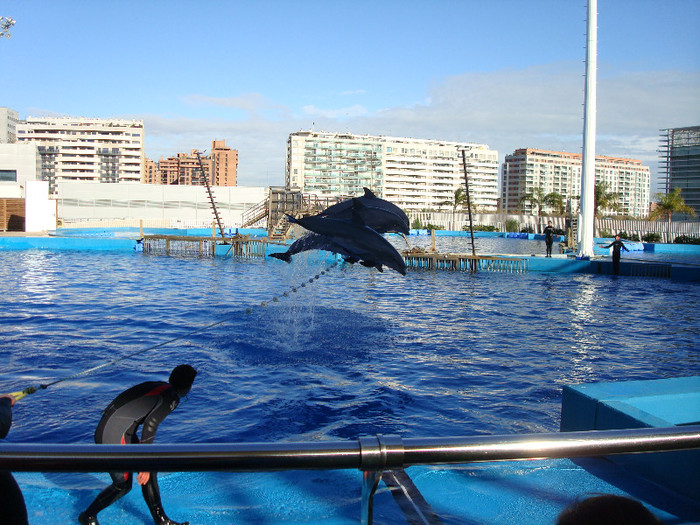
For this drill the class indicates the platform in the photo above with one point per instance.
(637, 404)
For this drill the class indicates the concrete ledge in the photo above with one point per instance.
(67, 243)
(638, 404)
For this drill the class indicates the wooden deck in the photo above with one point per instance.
(464, 262)
(239, 246)
(243, 246)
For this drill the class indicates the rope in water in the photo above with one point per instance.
(32, 389)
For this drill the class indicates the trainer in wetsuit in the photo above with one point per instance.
(12, 508)
(146, 404)
(549, 238)
(616, 246)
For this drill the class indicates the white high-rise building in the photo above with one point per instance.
(414, 174)
(8, 125)
(528, 169)
(83, 149)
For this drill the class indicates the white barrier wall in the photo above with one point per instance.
(39, 209)
(82, 201)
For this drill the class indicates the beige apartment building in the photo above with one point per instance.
(85, 149)
(554, 171)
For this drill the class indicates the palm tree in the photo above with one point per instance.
(670, 203)
(604, 199)
(459, 200)
(539, 199)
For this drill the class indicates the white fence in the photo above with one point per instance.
(459, 220)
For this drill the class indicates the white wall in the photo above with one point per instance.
(93, 200)
(39, 209)
(22, 158)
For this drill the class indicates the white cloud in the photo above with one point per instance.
(340, 114)
(254, 104)
(538, 107)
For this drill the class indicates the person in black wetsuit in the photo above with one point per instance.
(146, 405)
(616, 245)
(549, 238)
(13, 510)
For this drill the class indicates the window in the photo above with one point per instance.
(8, 175)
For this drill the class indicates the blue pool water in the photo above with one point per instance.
(355, 352)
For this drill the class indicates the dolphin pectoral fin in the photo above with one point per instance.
(284, 256)
(351, 259)
(372, 264)
(357, 209)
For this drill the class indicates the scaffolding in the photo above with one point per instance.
(679, 163)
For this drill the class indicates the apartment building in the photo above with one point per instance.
(150, 172)
(184, 169)
(220, 168)
(85, 149)
(554, 171)
(415, 174)
(8, 126)
(225, 164)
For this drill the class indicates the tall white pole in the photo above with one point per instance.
(586, 212)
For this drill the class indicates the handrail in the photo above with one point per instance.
(367, 453)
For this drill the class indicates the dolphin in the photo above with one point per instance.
(379, 214)
(313, 241)
(355, 239)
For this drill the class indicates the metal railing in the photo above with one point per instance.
(370, 454)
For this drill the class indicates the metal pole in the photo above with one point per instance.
(587, 213)
(367, 453)
(469, 201)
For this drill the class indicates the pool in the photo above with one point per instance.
(356, 352)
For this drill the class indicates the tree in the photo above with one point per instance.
(5, 24)
(539, 199)
(459, 200)
(670, 203)
(604, 199)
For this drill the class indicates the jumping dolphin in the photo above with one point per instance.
(355, 239)
(379, 214)
(313, 241)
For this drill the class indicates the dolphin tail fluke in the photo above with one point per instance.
(283, 256)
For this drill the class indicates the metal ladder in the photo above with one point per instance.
(212, 202)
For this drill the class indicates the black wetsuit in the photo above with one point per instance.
(549, 239)
(146, 405)
(13, 510)
(616, 246)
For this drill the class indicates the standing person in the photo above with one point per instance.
(145, 404)
(549, 238)
(616, 246)
(13, 510)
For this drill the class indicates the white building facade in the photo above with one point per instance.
(82, 149)
(528, 169)
(8, 125)
(19, 164)
(414, 174)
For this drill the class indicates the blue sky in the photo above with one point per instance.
(508, 73)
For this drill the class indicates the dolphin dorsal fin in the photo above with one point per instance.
(368, 194)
